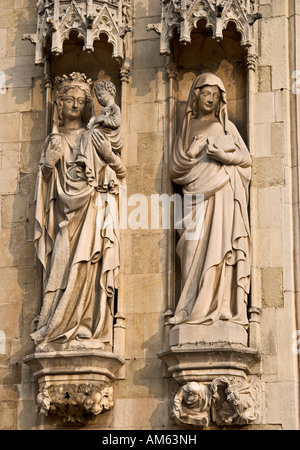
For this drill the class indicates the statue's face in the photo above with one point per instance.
(73, 104)
(103, 97)
(190, 397)
(209, 99)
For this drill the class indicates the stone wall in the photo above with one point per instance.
(142, 398)
(21, 134)
(272, 212)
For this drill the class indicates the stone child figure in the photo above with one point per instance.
(110, 116)
(210, 158)
(109, 124)
(76, 240)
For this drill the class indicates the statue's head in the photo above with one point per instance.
(191, 393)
(105, 91)
(208, 94)
(208, 99)
(74, 98)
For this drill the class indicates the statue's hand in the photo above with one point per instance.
(196, 147)
(102, 145)
(218, 154)
(54, 151)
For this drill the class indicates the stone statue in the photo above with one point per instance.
(192, 404)
(210, 158)
(234, 402)
(223, 401)
(76, 233)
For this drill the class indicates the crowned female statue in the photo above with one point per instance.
(210, 158)
(76, 234)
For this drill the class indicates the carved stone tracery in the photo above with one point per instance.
(89, 18)
(184, 15)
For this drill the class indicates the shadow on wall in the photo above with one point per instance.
(98, 65)
(22, 135)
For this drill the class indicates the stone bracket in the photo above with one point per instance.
(214, 384)
(75, 385)
(74, 402)
(225, 401)
(203, 363)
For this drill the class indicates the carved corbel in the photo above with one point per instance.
(75, 403)
(223, 402)
(76, 386)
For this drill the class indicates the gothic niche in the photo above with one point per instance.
(77, 357)
(89, 18)
(208, 349)
(78, 244)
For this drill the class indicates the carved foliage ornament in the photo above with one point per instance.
(89, 18)
(74, 403)
(225, 401)
(184, 15)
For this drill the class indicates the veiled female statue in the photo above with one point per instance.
(76, 234)
(210, 158)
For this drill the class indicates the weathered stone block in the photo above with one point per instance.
(33, 126)
(3, 42)
(150, 149)
(269, 207)
(10, 125)
(268, 332)
(15, 100)
(30, 156)
(264, 107)
(8, 414)
(14, 210)
(262, 139)
(8, 180)
(267, 171)
(10, 319)
(16, 251)
(277, 138)
(154, 246)
(12, 282)
(272, 287)
(265, 79)
(143, 293)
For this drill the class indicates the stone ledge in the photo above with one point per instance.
(84, 363)
(219, 331)
(74, 385)
(203, 363)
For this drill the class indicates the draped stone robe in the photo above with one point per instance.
(77, 242)
(215, 269)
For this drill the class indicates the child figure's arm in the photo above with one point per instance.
(112, 118)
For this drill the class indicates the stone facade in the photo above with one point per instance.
(265, 107)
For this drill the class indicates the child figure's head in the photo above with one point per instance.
(105, 92)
